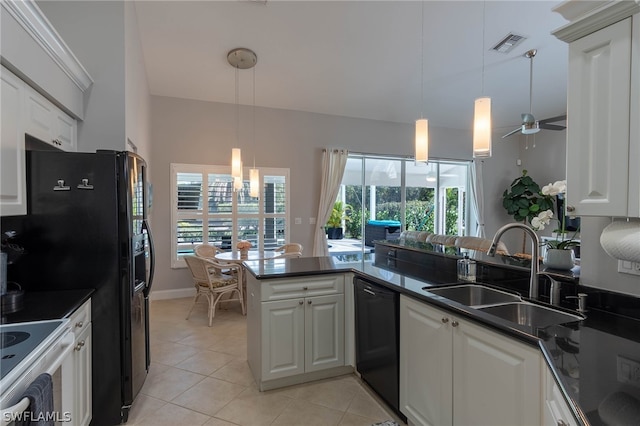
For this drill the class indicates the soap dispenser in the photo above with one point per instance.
(467, 269)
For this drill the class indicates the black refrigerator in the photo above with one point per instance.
(87, 227)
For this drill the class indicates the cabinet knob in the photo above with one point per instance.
(79, 324)
(562, 423)
(454, 323)
(79, 345)
(309, 302)
(571, 209)
(305, 288)
(300, 302)
(445, 320)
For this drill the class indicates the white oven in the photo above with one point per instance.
(28, 350)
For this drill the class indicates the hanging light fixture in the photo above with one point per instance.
(241, 59)
(254, 174)
(422, 125)
(482, 113)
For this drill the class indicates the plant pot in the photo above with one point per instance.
(334, 233)
(559, 259)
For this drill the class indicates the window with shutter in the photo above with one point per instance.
(206, 209)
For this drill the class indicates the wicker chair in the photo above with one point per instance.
(209, 281)
(290, 250)
(207, 251)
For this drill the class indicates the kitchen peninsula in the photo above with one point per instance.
(578, 360)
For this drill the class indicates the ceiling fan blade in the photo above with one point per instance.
(551, 126)
(554, 119)
(511, 133)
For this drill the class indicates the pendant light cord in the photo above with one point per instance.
(254, 117)
(422, 61)
(531, 85)
(237, 109)
(484, 17)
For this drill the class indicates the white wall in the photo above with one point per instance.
(95, 32)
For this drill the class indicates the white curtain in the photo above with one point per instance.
(477, 196)
(334, 162)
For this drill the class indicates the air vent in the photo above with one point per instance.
(508, 43)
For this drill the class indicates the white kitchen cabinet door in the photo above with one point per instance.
(83, 381)
(425, 363)
(496, 380)
(12, 161)
(634, 134)
(282, 338)
(44, 121)
(324, 332)
(598, 108)
(556, 411)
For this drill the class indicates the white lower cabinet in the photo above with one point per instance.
(77, 381)
(296, 337)
(555, 411)
(454, 372)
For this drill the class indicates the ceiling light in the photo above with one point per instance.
(254, 174)
(482, 113)
(240, 58)
(422, 125)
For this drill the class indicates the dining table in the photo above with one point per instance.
(235, 257)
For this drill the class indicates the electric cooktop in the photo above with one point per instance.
(19, 340)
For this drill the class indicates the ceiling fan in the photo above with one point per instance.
(529, 124)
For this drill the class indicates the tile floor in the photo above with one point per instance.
(199, 376)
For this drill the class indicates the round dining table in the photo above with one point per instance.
(234, 255)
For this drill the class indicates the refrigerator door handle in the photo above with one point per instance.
(152, 256)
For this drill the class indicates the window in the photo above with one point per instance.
(424, 197)
(206, 209)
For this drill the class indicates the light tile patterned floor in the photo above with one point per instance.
(199, 376)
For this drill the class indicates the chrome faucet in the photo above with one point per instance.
(535, 243)
(554, 288)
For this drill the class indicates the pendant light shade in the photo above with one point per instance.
(482, 128)
(422, 140)
(237, 180)
(236, 163)
(254, 183)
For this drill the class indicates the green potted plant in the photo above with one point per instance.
(334, 224)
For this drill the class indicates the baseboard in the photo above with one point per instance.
(172, 294)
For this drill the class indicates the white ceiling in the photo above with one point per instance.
(359, 58)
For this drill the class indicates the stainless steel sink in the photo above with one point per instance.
(531, 315)
(474, 295)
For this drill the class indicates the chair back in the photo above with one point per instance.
(291, 248)
(207, 251)
(290, 254)
(199, 268)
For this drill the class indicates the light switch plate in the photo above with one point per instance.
(298, 221)
(626, 267)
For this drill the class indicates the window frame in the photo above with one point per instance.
(203, 214)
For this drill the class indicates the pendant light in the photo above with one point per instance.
(241, 59)
(422, 125)
(482, 112)
(254, 174)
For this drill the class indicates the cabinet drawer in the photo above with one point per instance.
(302, 287)
(81, 318)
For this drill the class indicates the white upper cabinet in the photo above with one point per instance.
(12, 165)
(45, 121)
(603, 137)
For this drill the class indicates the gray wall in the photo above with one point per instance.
(196, 132)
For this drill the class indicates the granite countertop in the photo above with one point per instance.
(583, 355)
(48, 305)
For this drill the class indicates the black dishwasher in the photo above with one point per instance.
(377, 322)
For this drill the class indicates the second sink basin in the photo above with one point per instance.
(531, 315)
(474, 295)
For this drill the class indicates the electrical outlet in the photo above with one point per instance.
(626, 267)
(298, 221)
(312, 221)
(628, 371)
